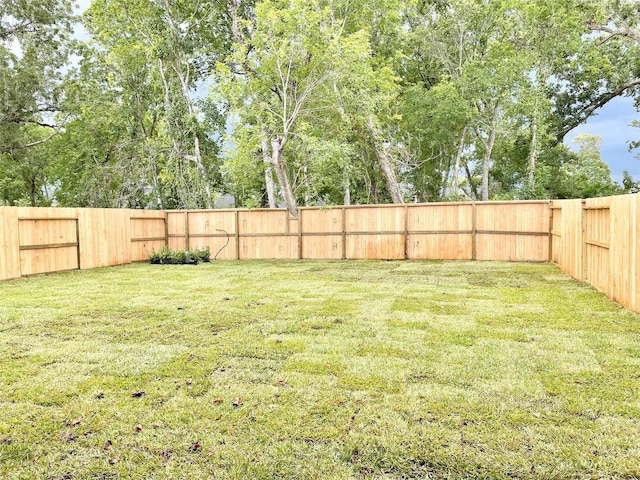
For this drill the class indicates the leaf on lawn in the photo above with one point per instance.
(195, 447)
(114, 460)
(67, 436)
(76, 422)
(190, 357)
(281, 382)
(108, 444)
(138, 428)
(238, 402)
(217, 400)
(139, 394)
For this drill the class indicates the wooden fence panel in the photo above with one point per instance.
(176, 229)
(266, 234)
(322, 233)
(105, 237)
(375, 232)
(148, 233)
(634, 277)
(215, 230)
(570, 249)
(624, 241)
(440, 231)
(48, 240)
(597, 234)
(556, 232)
(9, 244)
(512, 231)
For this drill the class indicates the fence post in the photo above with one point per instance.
(186, 230)
(237, 235)
(344, 233)
(583, 243)
(166, 228)
(550, 231)
(77, 242)
(474, 233)
(300, 234)
(406, 232)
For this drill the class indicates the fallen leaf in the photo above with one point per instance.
(195, 447)
(281, 382)
(190, 357)
(114, 460)
(76, 422)
(108, 444)
(139, 394)
(138, 428)
(217, 400)
(67, 436)
(238, 402)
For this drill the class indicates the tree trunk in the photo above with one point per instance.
(456, 168)
(268, 177)
(277, 145)
(486, 161)
(347, 189)
(533, 152)
(386, 163)
(197, 155)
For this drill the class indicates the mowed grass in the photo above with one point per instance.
(317, 370)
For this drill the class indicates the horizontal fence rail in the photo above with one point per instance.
(592, 240)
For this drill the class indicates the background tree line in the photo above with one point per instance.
(175, 103)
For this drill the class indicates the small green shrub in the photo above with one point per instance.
(166, 256)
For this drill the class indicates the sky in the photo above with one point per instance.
(611, 123)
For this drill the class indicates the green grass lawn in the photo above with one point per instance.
(264, 370)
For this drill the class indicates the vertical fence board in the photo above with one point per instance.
(9, 244)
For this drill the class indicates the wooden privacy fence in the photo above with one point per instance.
(484, 231)
(41, 240)
(593, 240)
(596, 241)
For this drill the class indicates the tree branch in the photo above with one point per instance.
(586, 111)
